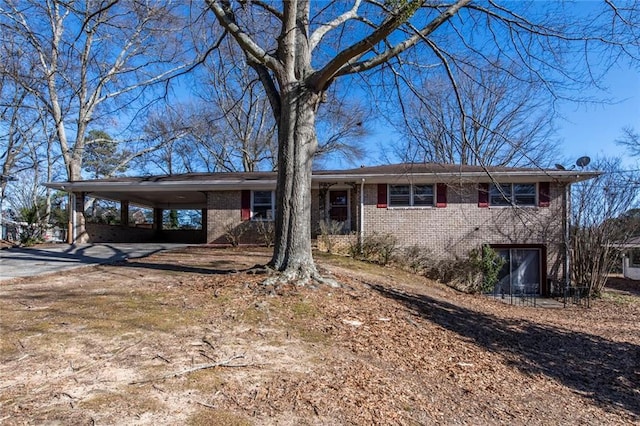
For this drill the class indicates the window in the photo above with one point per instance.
(410, 195)
(634, 258)
(399, 195)
(516, 194)
(262, 205)
(422, 195)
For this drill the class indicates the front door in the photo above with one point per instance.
(339, 207)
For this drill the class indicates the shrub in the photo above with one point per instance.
(233, 232)
(456, 272)
(328, 228)
(266, 233)
(477, 273)
(489, 263)
(376, 248)
(416, 258)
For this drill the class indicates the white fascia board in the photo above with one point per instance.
(518, 176)
(270, 184)
(166, 186)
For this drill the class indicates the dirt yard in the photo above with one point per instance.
(188, 337)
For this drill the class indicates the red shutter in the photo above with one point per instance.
(245, 205)
(483, 195)
(382, 195)
(441, 195)
(544, 194)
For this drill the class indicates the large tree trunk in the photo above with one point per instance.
(297, 146)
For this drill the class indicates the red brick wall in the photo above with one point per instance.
(462, 225)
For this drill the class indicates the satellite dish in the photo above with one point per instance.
(583, 161)
(560, 167)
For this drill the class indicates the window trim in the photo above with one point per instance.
(272, 207)
(412, 204)
(510, 202)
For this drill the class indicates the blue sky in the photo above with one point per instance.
(583, 129)
(592, 129)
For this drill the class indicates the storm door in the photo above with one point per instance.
(339, 207)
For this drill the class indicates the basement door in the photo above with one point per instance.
(521, 273)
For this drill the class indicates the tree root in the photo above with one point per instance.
(299, 277)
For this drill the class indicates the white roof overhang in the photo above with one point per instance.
(191, 194)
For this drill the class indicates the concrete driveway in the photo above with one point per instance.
(27, 262)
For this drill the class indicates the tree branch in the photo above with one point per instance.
(318, 34)
(269, 86)
(394, 51)
(222, 10)
(266, 6)
(225, 363)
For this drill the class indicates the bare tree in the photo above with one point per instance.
(602, 222)
(237, 103)
(25, 137)
(92, 59)
(229, 126)
(341, 125)
(232, 128)
(18, 118)
(508, 122)
(299, 49)
(630, 140)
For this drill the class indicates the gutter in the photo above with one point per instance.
(361, 212)
(480, 176)
(567, 236)
(239, 183)
(213, 185)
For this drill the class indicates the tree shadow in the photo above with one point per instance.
(78, 255)
(184, 268)
(624, 285)
(72, 253)
(606, 372)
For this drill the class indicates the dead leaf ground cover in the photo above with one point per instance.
(127, 343)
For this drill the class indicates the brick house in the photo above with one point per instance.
(446, 209)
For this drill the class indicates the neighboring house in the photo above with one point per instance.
(631, 258)
(446, 209)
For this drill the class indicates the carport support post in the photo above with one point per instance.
(79, 231)
(157, 219)
(124, 213)
(205, 228)
(71, 212)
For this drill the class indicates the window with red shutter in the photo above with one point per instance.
(544, 194)
(382, 195)
(441, 195)
(245, 205)
(483, 195)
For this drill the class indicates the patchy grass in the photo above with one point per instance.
(622, 299)
(135, 400)
(214, 417)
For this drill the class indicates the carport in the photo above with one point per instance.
(154, 194)
(189, 191)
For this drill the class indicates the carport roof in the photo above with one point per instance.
(187, 191)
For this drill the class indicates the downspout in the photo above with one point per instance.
(361, 213)
(567, 236)
(74, 220)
